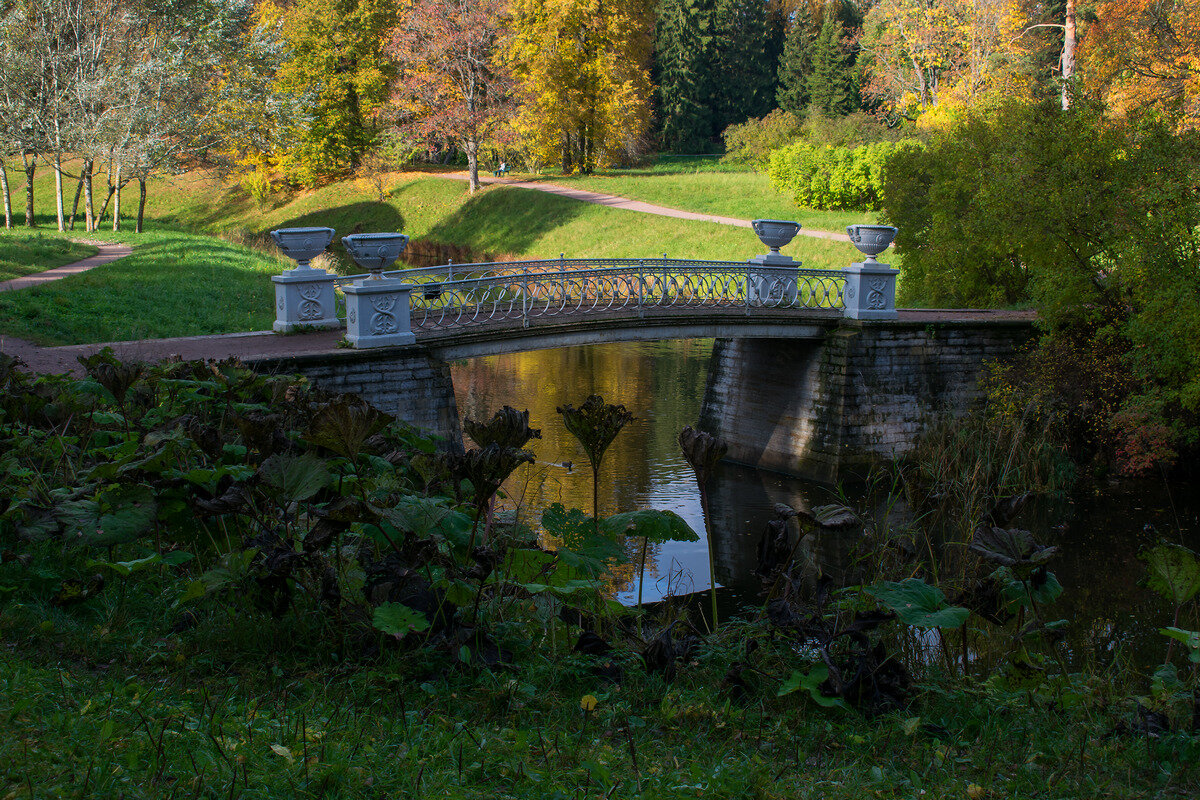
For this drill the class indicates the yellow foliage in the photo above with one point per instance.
(582, 67)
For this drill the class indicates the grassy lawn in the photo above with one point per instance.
(174, 284)
(196, 716)
(743, 195)
(25, 254)
(179, 283)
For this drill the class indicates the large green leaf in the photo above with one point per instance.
(1010, 547)
(126, 568)
(811, 682)
(345, 426)
(656, 526)
(1190, 639)
(296, 477)
(1174, 572)
(430, 517)
(584, 551)
(917, 603)
(120, 514)
(397, 619)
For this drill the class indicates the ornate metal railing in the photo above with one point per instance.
(456, 295)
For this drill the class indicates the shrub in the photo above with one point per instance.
(1094, 223)
(827, 177)
(752, 141)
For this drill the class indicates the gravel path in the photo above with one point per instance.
(109, 252)
(613, 201)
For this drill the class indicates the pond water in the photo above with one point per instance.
(1100, 532)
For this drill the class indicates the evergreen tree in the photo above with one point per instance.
(684, 52)
(831, 85)
(795, 65)
(745, 63)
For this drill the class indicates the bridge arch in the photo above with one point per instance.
(808, 393)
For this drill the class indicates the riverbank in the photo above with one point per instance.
(219, 583)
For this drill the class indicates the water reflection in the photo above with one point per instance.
(663, 384)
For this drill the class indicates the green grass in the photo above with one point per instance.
(25, 254)
(727, 193)
(174, 284)
(96, 702)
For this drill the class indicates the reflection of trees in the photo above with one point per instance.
(655, 381)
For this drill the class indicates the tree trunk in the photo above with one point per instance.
(117, 201)
(89, 215)
(141, 203)
(30, 169)
(473, 163)
(58, 196)
(7, 195)
(75, 204)
(1068, 54)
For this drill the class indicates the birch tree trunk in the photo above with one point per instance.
(137, 228)
(117, 202)
(30, 170)
(89, 215)
(473, 163)
(75, 203)
(58, 189)
(1068, 54)
(7, 195)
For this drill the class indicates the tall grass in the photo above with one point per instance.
(962, 466)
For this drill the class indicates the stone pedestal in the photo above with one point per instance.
(377, 313)
(775, 287)
(870, 290)
(304, 299)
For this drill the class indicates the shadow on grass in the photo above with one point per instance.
(369, 216)
(504, 220)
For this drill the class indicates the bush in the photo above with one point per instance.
(827, 177)
(1094, 223)
(752, 142)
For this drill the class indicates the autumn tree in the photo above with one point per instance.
(583, 82)
(337, 58)
(452, 89)
(1142, 55)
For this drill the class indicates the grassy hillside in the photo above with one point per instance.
(182, 282)
(174, 284)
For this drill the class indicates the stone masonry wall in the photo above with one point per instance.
(408, 383)
(865, 393)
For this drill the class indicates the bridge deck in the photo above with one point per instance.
(508, 336)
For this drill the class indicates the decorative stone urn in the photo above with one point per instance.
(775, 233)
(871, 239)
(304, 296)
(377, 308)
(774, 282)
(870, 291)
(303, 244)
(375, 252)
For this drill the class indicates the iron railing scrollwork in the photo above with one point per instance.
(473, 294)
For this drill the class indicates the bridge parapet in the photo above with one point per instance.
(467, 295)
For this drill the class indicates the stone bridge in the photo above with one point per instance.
(807, 391)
